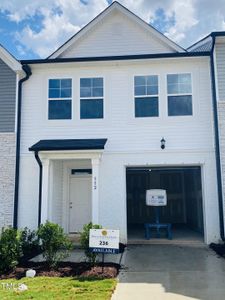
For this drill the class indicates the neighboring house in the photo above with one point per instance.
(215, 44)
(219, 69)
(9, 75)
(95, 117)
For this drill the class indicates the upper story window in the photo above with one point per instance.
(59, 99)
(146, 96)
(179, 91)
(91, 98)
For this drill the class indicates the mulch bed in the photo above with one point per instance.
(218, 248)
(66, 269)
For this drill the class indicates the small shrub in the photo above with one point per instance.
(55, 244)
(29, 244)
(84, 240)
(10, 249)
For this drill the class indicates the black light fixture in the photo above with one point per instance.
(163, 143)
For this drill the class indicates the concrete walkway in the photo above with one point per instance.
(171, 272)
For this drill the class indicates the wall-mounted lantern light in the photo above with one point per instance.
(163, 143)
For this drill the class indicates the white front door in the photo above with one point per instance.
(80, 202)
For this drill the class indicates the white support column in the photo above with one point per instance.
(95, 190)
(45, 190)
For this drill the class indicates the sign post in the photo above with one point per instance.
(157, 198)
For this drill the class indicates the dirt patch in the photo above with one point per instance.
(101, 272)
(66, 269)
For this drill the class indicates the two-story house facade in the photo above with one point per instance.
(9, 77)
(117, 110)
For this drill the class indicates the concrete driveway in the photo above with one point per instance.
(171, 272)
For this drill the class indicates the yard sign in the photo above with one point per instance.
(104, 241)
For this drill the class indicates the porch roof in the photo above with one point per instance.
(69, 144)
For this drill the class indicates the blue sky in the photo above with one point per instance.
(33, 29)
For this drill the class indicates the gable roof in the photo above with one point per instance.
(9, 59)
(206, 43)
(115, 6)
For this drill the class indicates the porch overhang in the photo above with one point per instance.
(66, 149)
(69, 144)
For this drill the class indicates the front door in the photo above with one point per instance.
(80, 202)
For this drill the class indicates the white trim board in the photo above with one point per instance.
(9, 59)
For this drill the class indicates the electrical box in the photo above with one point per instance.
(156, 197)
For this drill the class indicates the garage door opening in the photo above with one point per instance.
(184, 201)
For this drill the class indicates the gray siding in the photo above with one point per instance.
(220, 64)
(7, 98)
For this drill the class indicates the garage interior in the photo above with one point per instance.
(184, 202)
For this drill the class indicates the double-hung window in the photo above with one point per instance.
(59, 99)
(179, 92)
(91, 98)
(146, 96)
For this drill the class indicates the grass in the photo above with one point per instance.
(56, 288)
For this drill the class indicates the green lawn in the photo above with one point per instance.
(59, 289)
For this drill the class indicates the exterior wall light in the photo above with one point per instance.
(163, 143)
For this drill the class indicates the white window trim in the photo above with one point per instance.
(49, 99)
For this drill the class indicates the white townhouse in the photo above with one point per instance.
(116, 110)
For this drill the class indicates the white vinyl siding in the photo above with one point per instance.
(119, 126)
(118, 36)
(220, 68)
(131, 142)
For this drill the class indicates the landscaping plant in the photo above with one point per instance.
(84, 240)
(29, 244)
(10, 249)
(55, 244)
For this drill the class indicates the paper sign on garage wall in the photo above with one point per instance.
(156, 197)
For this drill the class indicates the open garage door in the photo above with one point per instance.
(184, 194)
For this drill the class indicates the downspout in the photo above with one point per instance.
(40, 186)
(217, 145)
(28, 72)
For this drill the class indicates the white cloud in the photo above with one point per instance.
(60, 20)
(192, 19)
(185, 19)
(50, 37)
